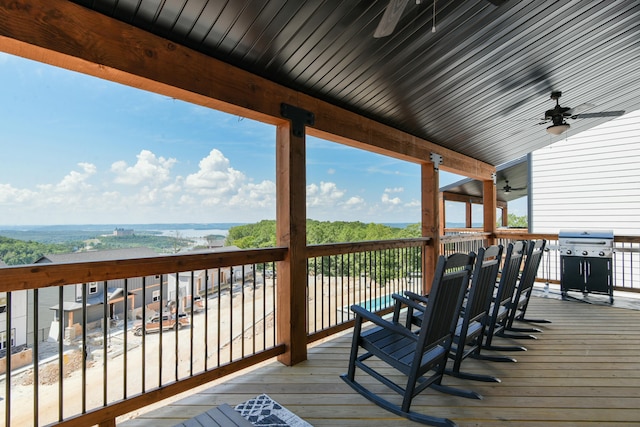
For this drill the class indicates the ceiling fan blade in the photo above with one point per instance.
(580, 108)
(601, 114)
(390, 18)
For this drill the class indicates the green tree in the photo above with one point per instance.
(514, 221)
(18, 252)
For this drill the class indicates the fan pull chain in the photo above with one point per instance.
(433, 28)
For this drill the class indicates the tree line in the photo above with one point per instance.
(17, 252)
(263, 234)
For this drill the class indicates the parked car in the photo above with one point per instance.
(198, 304)
(168, 322)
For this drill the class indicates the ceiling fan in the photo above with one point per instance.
(393, 13)
(508, 189)
(558, 114)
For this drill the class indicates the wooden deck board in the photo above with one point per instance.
(583, 370)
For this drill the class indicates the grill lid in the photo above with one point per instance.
(585, 234)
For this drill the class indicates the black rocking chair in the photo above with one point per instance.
(502, 303)
(421, 357)
(535, 250)
(468, 337)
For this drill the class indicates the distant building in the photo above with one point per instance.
(16, 338)
(50, 313)
(119, 232)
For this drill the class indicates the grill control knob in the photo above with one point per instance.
(601, 253)
(569, 252)
(585, 253)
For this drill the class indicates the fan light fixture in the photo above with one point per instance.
(558, 129)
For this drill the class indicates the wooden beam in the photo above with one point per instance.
(67, 35)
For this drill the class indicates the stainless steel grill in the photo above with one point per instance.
(598, 244)
(586, 259)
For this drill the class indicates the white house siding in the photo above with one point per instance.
(589, 181)
(18, 317)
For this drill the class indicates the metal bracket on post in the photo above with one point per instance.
(437, 160)
(299, 118)
(494, 177)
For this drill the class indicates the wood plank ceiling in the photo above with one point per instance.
(478, 85)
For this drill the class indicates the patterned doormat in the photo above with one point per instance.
(263, 411)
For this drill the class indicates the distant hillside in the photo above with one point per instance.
(263, 233)
(17, 252)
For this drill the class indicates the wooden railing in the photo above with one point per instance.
(223, 320)
(626, 256)
(364, 273)
(220, 311)
(97, 373)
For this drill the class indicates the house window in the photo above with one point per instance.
(3, 339)
(155, 296)
(93, 288)
(3, 302)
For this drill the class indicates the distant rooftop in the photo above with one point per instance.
(90, 256)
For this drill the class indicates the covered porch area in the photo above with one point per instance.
(583, 370)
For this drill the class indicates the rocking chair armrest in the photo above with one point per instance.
(374, 318)
(408, 302)
(417, 297)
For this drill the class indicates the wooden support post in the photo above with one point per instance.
(489, 195)
(442, 213)
(468, 221)
(291, 232)
(505, 216)
(430, 222)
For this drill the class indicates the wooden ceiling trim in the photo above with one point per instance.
(64, 34)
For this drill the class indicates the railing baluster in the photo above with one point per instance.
(242, 325)
(106, 335)
(161, 332)
(125, 339)
(176, 308)
(85, 346)
(191, 320)
(8, 348)
(144, 335)
(61, 348)
(36, 360)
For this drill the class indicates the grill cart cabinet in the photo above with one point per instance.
(586, 275)
(586, 260)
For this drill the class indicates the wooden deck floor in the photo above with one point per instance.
(583, 370)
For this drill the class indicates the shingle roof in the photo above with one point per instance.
(108, 255)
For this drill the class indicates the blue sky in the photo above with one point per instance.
(80, 150)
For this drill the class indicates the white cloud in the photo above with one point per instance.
(149, 190)
(72, 184)
(390, 200)
(262, 195)
(394, 190)
(355, 202)
(323, 195)
(11, 195)
(215, 179)
(149, 169)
